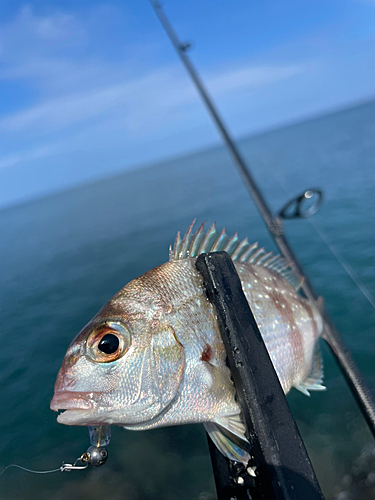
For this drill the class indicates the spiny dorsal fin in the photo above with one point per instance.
(193, 245)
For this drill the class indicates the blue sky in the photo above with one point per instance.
(90, 88)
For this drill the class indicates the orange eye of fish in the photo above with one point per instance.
(108, 342)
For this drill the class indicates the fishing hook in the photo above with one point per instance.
(84, 459)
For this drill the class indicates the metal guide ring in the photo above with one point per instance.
(295, 209)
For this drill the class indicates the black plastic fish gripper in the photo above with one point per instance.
(281, 468)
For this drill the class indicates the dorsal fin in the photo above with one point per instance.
(193, 245)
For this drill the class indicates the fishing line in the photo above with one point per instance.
(30, 470)
(346, 266)
(340, 259)
(83, 459)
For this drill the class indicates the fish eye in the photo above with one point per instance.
(108, 342)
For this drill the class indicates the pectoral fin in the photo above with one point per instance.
(228, 434)
(168, 363)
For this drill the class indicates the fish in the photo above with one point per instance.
(153, 355)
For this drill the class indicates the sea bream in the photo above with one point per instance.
(153, 355)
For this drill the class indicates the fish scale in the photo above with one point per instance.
(170, 364)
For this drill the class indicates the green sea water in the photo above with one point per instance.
(63, 256)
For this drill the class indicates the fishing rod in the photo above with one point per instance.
(275, 226)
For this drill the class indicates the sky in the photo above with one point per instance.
(92, 88)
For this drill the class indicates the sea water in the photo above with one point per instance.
(63, 256)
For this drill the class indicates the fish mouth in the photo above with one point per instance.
(69, 400)
(78, 408)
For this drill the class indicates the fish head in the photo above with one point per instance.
(124, 367)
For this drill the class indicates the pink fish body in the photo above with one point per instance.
(153, 355)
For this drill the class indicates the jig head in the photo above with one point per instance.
(96, 455)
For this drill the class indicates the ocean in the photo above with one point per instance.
(63, 256)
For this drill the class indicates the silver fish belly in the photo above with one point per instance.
(153, 356)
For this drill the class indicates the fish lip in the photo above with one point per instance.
(70, 400)
(80, 409)
(78, 417)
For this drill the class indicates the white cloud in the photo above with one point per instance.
(73, 90)
(80, 101)
(31, 155)
(31, 31)
(251, 77)
(150, 93)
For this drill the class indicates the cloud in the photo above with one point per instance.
(251, 77)
(31, 155)
(55, 53)
(79, 94)
(146, 93)
(74, 89)
(32, 32)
